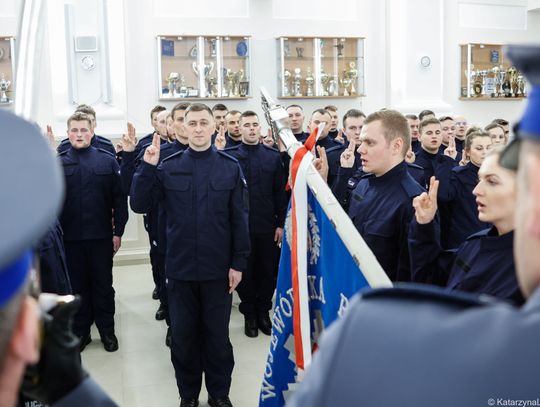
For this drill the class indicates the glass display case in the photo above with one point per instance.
(320, 67)
(201, 67)
(487, 75)
(7, 70)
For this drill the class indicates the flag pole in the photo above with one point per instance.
(278, 119)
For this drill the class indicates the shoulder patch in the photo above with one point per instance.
(178, 153)
(422, 292)
(64, 141)
(106, 151)
(223, 154)
(62, 153)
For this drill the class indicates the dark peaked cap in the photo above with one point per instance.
(31, 189)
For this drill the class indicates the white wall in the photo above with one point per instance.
(398, 33)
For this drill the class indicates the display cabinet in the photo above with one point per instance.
(7, 69)
(320, 67)
(201, 67)
(487, 75)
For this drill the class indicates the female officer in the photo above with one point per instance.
(497, 133)
(484, 262)
(458, 193)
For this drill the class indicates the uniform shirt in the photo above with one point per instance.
(232, 143)
(435, 164)
(381, 209)
(422, 346)
(97, 142)
(416, 146)
(301, 137)
(204, 194)
(265, 178)
(483, 264)
(461, 204)
(459, 146)
(93, 194)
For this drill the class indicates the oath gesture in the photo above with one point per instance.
(346, 159)
(451, 151)
(220, 142)
(129, 140)
(339, 137)
(321, 163)
(151, 154)
(425, 204)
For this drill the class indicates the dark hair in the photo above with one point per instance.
(332, 108)
(471, 136)
(472, 130)
(352, 113)
(219, 106)
(86, 109)
(179, 106)
(233, 112)
(298, 106)
(425, 113)
(501, 122)
(249, 113)
(395, 126)
(199, 107)
(411, 116)
(428, 121)
(79, 116)
(445, 118)
(321, 111)
(156, 109)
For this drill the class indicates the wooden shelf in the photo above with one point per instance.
(321, 97)
(485, 98)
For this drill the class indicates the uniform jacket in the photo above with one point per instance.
(97, 142)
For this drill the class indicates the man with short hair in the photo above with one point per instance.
(93, 196)
(203, 193)
(265, 178)
(334, 123)
(461, 131)
(144, 141)
(233, 136)
(323, 140)
(219, 111)
(381, 204)
(422, 339)
(97, 141)
(425, 114)
(296, 122)
(448, 129)
(414, 122)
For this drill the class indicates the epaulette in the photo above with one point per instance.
(106, 151)
(104, 140)
(413, 165)
(232, 148)
(64, 141)
(422, 292)
(334, 148)
(482, 233)
(224, 154)
(62, 153)
(172, 155)
(271, 148)
(411, 187)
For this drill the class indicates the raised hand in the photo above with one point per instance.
(425, 204)
(50, 135)
(151, 154)
(129, 140)
(346, 159)
(321, 163)
(220, 142)
(451, 151)
(410, 157)
(339, 137)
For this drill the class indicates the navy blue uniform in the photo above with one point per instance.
(416, 146)
(301, 137)
(204, 195)
(53, 269)
(381, 209)
(93, 197)
(461, 205)
(459, 146)
(265, 178)
(459, 153)
(232, 143)
(483, 264)
(97, 142)
(432, 347)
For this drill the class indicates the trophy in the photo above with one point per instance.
(243, 88)
(300, 52)
(333, 86)
(183, 92)
(238, 77)
(4, 86)
(340, 47)
(497, 76)
(325, 80)
(229, 82)
(212, 87)
(352, 75)
(286, 79)
(521, 85)
(172, 80)
(310, 80)
(204, 69)
(297, 82)
(345, 82)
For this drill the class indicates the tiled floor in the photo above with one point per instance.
(140, 372)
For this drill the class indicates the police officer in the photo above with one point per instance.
(93, 196)
(380, 204)
(147, 140)
(97, 141)
(26, 213)
(296, 122)
(414, 123)
(233, 136)
(204, 194)
(440, 349)
(265, 177)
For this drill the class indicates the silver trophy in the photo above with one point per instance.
(4, 86)
(204, 69)
(172, 80)
(310, 80)
(297, 82)
(229, 83)
(286, 83)
(325, 81)
(352, 75)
